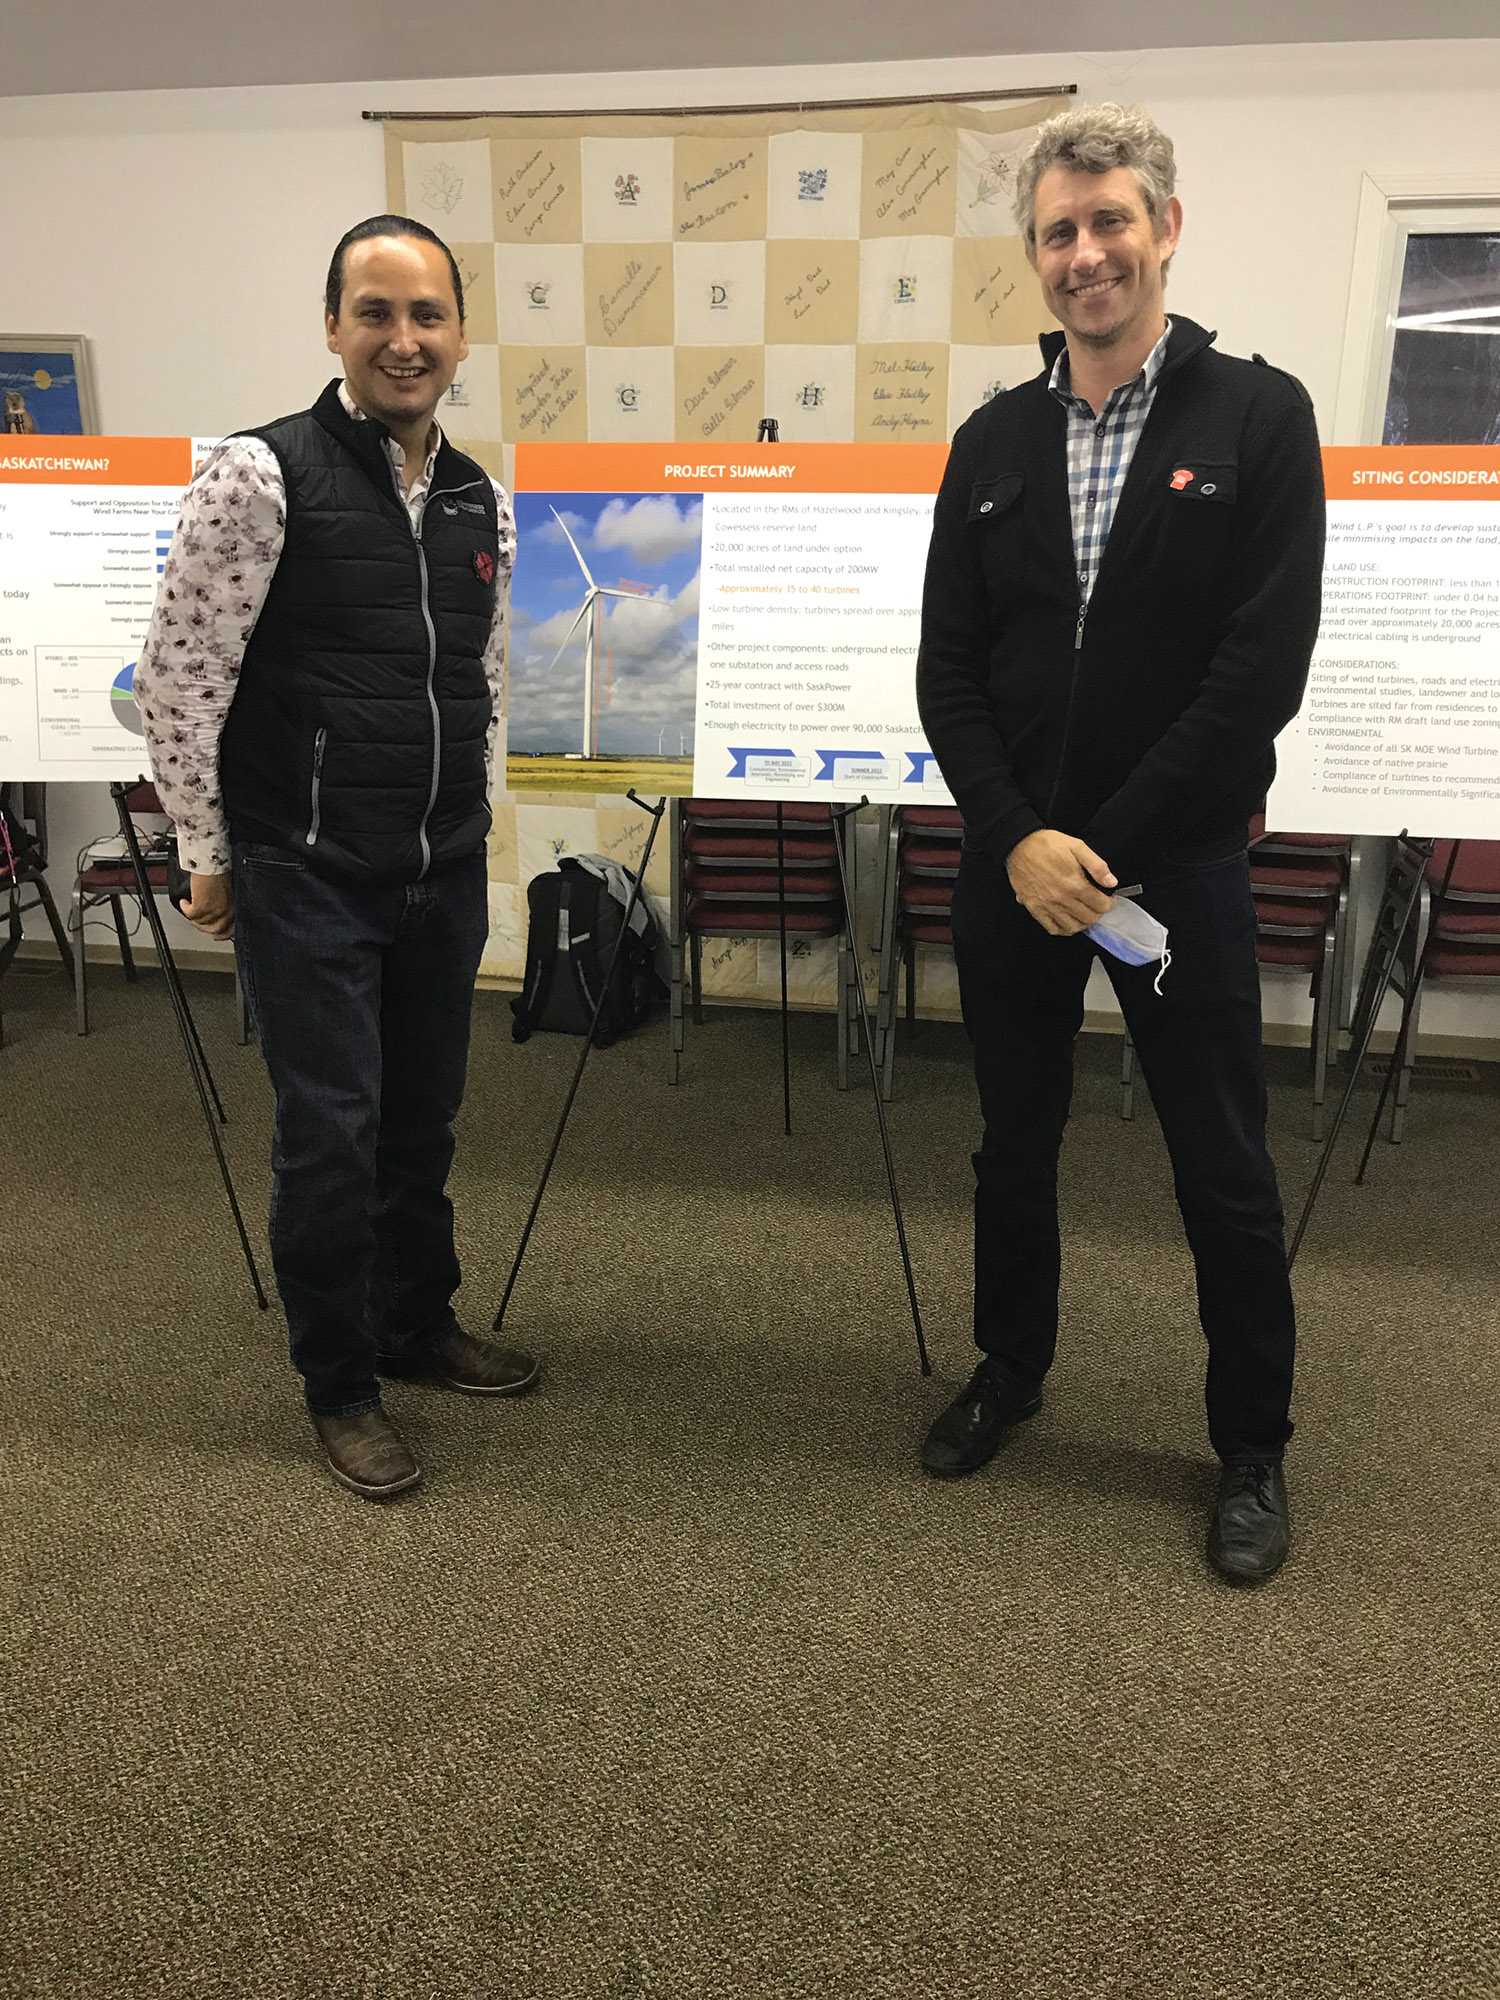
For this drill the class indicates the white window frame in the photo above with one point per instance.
(1393, 205)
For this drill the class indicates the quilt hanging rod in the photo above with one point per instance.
(735, 110)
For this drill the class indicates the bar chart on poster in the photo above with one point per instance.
(1401, 723)
(85, 525)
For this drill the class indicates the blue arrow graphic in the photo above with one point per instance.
(831, 757)
(738, 759)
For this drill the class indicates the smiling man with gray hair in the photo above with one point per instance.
(1122, 597)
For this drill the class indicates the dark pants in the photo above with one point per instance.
(1199, 1044)
(361, 995)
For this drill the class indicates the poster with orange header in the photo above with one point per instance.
(729, 620)
(85, 525)
(1400, 727)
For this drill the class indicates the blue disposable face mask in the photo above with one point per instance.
(1133, 935)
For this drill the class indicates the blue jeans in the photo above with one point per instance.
(361, 995)
(1199, 1044)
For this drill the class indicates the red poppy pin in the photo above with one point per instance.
(1182, 477)
(484, 566)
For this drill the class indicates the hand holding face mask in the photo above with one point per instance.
(1132, 935)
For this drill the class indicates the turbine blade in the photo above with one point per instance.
(575, 548)
(583, 612)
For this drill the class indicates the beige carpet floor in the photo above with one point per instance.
(678, 1679)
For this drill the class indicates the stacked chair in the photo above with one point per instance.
(916, 912)
(1303, 885)
(1462, 923)
(28, 890)
(112, 881)
(738, 875)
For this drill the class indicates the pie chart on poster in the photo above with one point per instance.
(122, 701)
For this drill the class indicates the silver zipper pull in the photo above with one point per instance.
(1078, 632)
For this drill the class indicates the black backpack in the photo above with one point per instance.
(574, 922)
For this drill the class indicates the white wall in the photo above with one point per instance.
(186, 233)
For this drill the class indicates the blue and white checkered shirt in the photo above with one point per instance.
(1099, 453)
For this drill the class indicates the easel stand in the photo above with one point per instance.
(841, 815)
(786, 1012)
(1373, 987)
(208, 1096)
(656, 812)
(605, 988)
(1409, 1000)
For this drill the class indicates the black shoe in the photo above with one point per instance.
(457, 1359)
(367, 1454)
(968, 1433)
(1252, 1524)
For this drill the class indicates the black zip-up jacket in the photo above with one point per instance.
(1146, 727)
(357, 730)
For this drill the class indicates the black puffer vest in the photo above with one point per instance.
(357, 730)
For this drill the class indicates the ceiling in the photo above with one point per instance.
(97, 45)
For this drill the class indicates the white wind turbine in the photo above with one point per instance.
(590, 609)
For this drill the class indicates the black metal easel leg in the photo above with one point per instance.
(786, 1012)
(1408, 1013)
(192, 1046)
(1357, 1058)
(656, 812)
(840, 816)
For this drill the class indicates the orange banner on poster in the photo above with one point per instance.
(95, 461)
(1411, 472)
(745, 468)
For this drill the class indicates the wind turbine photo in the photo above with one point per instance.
(604, 612)
(590, 610)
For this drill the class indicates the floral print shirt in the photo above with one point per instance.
(213, 585)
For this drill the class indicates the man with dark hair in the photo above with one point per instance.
(320, 693)
(1122, 596)
(384, 225)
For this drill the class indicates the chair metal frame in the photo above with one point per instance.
(686, 944)
(1406, 863)
(30, 809)
(898, 949)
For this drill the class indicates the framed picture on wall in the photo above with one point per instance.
(45, 385)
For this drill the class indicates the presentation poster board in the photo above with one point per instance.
(1401, 724)
(85, 525)
(731, 622)
(742, 622)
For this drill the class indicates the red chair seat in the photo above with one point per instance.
(930, 933)
(1310, 878)
(1314, 843)
(725, 847)
(107, 877)
(1476, 872)
(1478, 924)
(925, 859)
(741, 919)
(801, 884)
(1311, 916)
(926, 895)
(934, 819)
(1305, 953)
(1457, 961)
(754, 813)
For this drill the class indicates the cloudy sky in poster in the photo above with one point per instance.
(647, 657)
